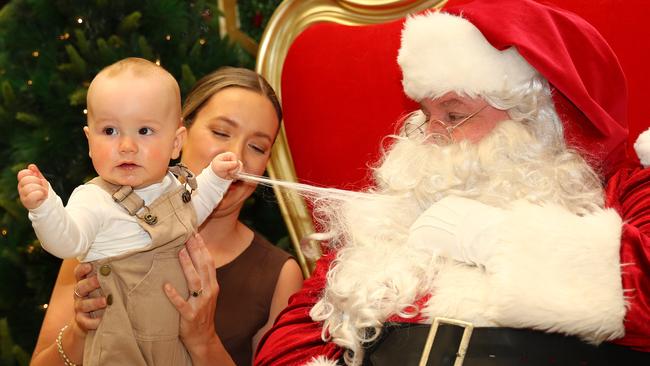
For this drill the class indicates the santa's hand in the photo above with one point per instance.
(459, 228)
(32, 187)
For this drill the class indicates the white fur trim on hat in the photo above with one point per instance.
(441, 52)
(642, 148)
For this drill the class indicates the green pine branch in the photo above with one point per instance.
(49, 53)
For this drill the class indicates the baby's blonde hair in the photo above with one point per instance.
(138, 67)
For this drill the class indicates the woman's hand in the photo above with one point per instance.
(84, 305)
(197, 330)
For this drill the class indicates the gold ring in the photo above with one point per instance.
(197, 293)
(77, 294)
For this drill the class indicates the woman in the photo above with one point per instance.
(228, 110)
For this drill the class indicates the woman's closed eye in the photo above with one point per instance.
(220, 133)
(257, 148)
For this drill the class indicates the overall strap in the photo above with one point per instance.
(185, 176)
(122, 195)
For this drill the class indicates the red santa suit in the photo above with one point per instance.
(296, 339)
(553, 271)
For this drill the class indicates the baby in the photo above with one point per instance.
(131, 221)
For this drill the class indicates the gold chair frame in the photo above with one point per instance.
(287, 22)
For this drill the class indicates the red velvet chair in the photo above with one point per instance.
(334, 66)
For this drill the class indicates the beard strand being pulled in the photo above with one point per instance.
(374, 275)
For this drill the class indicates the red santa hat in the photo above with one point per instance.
(484, 47)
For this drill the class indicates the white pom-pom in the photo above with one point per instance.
(642, 148)
(321, 361)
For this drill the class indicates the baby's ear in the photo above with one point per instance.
(87, 133)
(181, 133)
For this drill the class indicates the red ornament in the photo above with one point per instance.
(258, 19)
(206, 14)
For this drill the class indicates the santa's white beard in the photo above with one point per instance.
(375, 275)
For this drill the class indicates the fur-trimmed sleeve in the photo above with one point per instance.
(295, 339)
(628, 191)
(556, 271)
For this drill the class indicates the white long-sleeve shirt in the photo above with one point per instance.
(93, 226)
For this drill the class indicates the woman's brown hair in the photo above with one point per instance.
(223, 78)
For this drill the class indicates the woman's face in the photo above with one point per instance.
(238, 120)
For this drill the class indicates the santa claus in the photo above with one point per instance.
(489, 209)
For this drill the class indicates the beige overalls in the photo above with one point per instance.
(140, 326)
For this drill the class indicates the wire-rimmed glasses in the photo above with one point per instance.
(417, 127)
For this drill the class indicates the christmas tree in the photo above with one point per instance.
(49, 52)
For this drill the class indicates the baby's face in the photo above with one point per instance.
(133, 128)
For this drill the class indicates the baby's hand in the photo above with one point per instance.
(32, 187)
(226, 165)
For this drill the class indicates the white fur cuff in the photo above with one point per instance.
(559, 272)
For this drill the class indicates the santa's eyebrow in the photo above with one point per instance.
(454, 102)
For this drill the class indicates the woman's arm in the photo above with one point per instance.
(197, 330)
(289, 282)
(295, 338)
(66, 309)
